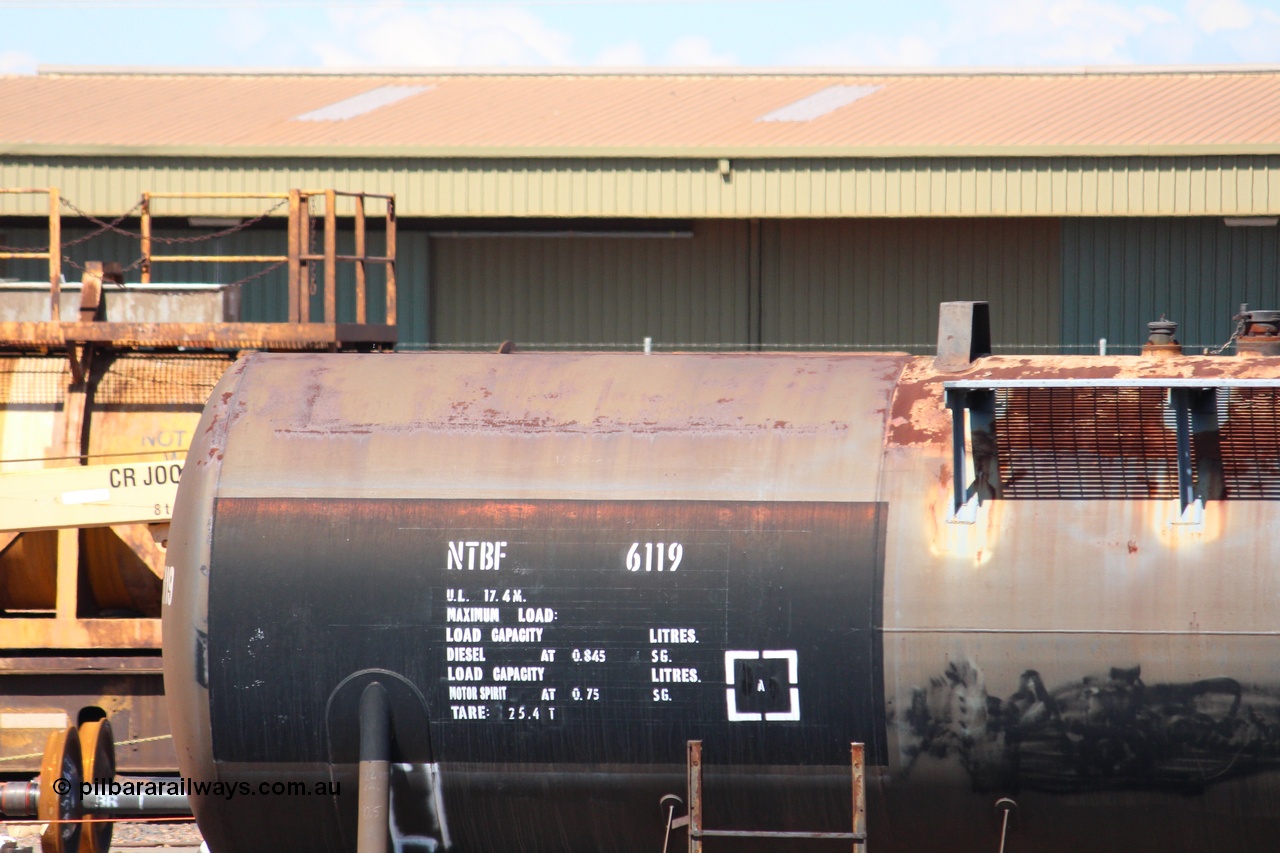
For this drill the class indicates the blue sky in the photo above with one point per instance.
(630, 33)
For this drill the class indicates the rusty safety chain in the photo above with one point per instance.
(66, 259)
(138, 262)
(259, 274)
(1239, 330)
(114, 226)
(103, 227)
(171, 241)
(120, 743)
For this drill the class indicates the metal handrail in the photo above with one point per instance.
(298, 255)
(54, 251)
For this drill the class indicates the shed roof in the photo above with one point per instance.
(1048, 113)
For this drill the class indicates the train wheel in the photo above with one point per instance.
(60, 777)
(98, 750)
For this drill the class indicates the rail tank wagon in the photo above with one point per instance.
(1039, 590)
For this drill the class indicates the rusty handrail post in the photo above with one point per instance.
(146, 238)
(293, 249)
(304, 265)
(694, 771)
(55, 255)
(390, 253)
(360, 253)
(330, 256)
(858, 766)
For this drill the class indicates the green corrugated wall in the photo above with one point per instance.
(592, 291)
(1053, 284)
(856, 283)
(1120, 274)
(877, 282)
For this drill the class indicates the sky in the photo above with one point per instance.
(635, 33)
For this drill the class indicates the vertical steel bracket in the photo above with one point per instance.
(981, 408)
(1195, 415)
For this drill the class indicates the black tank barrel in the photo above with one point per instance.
(1040, 580)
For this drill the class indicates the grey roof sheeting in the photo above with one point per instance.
(365, 102)
(820, 103)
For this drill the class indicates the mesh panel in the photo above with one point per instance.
(33, 380)
(171, 380)
(1085, 443)
(1251, 443)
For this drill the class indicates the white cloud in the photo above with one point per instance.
(1062, 32)
(1039, 32)
(628, 54)
(684, 52)
(1259, 42)
(870, 49)
(16, 62)
(695, 50)
(245, 28)
(1214, 15)
(441, 36)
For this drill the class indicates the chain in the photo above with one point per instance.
(138, 263)
(41, 249)
(114, 226)
(176, 241)
(103, 226)
(259, 274)
(66, 259)
(1239, 318)
(165, 241)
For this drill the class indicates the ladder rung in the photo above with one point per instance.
(693, 776)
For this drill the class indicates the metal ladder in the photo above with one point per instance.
(697, 831)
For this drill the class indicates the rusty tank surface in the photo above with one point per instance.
(1038, 590)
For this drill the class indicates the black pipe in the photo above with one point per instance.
(375, 768)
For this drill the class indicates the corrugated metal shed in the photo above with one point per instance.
(663, 114)
(1176, 143)
(637, 187)
(826, 210)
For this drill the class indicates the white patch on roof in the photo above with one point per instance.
(820, 103)
(365, 102)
